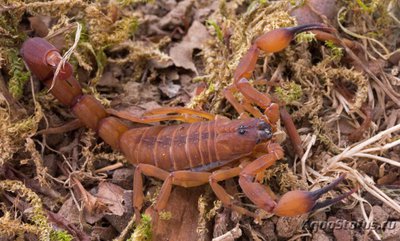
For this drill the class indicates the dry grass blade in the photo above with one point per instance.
(337, 163)
(305, 156)
(67, 54)
(351, 152)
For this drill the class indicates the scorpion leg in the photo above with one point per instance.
(252, 109)
(220, 192)
(72, 125)
(228, 94)
(291, 131)
(292, 203)
(255, 191)
(180, 110)
(179, 178)
(260, 99)
(163, 114)
(241, 108)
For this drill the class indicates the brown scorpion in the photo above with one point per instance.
(193, 153)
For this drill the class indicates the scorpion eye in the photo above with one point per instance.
(242, 130)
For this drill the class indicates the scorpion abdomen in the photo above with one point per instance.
(177, 147)
(200, 146)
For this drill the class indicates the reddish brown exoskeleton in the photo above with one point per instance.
(193, 153)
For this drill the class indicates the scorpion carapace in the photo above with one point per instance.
(189, 154)
(199, 146)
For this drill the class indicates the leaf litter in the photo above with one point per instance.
(138, 55)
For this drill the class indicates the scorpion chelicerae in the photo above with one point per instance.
(192, 153)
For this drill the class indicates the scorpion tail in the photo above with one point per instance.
(299, 202)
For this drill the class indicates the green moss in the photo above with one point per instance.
(289, 93)
(18, 75)
(217, 29)
(368, 7)
(52, 8)
(337, 52)
(10, 37)
(104, 32)
(132, 2)
(10, 34)
(296, 3)
(143, 230)
(37, 215)
(165, 215)
(305, 37)
(61, 235)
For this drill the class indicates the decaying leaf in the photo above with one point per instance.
(170, 89)
(112, 196)
(175, 16)
(181, 54)
(108, 200)
(40, 24)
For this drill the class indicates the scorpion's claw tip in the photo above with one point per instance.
(309, 27)
(329, 202)
(299, 202)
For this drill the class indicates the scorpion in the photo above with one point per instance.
(201, 150)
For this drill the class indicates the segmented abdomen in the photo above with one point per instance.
(176, 147)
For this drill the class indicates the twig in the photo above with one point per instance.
(109, 168)
(231, 235)
(126, 230)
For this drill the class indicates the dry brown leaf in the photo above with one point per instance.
(120, 222)
(108, 201)
(69, 211)
(61, 222)
(308, 13)
(112, 196)
(94, 209)
(40, 24)
(135, 93)
(181, 54)
(108, 80)
(175, 16)
(170, 89)
(151, 105)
